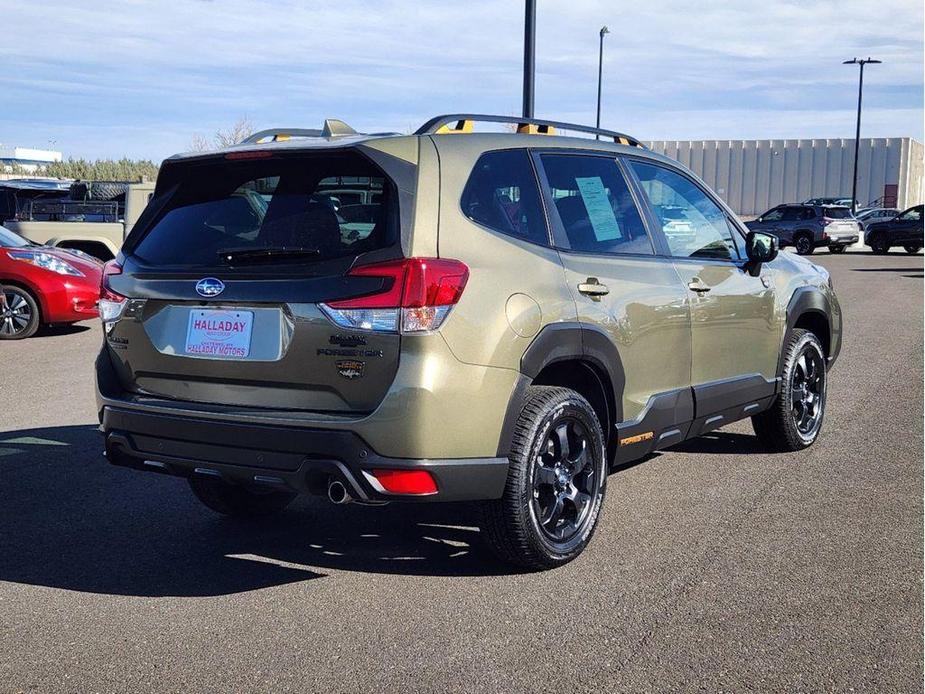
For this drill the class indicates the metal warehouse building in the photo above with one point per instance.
(755, 175)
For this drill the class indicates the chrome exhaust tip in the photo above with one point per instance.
(337, 492)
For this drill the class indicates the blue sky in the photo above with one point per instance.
(140, 79)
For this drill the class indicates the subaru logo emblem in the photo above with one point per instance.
(209, 286)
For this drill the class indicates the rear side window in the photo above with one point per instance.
(693, 225)
(327, 206)
(594, 204)
(502, 194)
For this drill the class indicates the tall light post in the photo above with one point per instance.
(857, 136)
(529, 56)
(600, 74)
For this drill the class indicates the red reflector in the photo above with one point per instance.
(258, 154)
(406, 481)
(415, 282)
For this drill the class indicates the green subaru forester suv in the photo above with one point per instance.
(499, 318)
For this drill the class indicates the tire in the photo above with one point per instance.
(912, 250)
(837, 249)
(879, 245)
(106, 190)
(549, 479)
(780, 428)
(20, 316)
(79, 191)
(803, 244)
(237, 501)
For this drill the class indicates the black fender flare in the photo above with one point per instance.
(559, 342)
(803, 301)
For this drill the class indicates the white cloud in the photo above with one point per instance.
(96, 76)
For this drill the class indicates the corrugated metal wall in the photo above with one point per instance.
(755, 175)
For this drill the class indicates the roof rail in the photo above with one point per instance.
(462, 123)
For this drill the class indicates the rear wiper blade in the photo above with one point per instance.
(257, 255)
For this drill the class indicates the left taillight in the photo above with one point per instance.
(111, 303)
(416, 296)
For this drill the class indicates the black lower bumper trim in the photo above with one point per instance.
(299, 459)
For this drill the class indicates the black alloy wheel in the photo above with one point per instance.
(803, 244)
(807, 391)
(557, 478)
(565, 482)
(794, 419)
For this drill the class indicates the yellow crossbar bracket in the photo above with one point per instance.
(462, 126)
(534, 129)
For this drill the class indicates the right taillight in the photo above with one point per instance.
(111, 304)
(417, 296)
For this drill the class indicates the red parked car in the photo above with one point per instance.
(41, 285)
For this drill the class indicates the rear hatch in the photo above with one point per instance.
(839, 220)
(224, 274)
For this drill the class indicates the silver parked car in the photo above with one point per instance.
(873, 215)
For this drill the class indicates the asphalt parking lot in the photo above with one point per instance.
(716, 565)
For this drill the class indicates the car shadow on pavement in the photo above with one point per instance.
(70, 520)
(887, 269)
(61, 330)
(721, 443)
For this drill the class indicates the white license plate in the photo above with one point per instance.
(219, 334)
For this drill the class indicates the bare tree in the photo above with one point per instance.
(198, 143)
(234, 135)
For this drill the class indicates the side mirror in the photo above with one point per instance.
(760, 248)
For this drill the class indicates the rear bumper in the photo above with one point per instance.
(843, 240)
(295, 459)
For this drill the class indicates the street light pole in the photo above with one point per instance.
(529, 56)
(600, 74)
(857, 135)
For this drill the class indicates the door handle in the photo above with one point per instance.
(697, 285)
(593, 288)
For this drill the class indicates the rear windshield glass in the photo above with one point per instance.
(837, 212)
(325, 207)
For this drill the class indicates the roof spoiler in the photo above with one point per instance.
(332, 128)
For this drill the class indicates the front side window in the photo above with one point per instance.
(913, 215)
(693, 225)
(774, 215)
(502, 194)
(793, 214)
(595, 205)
